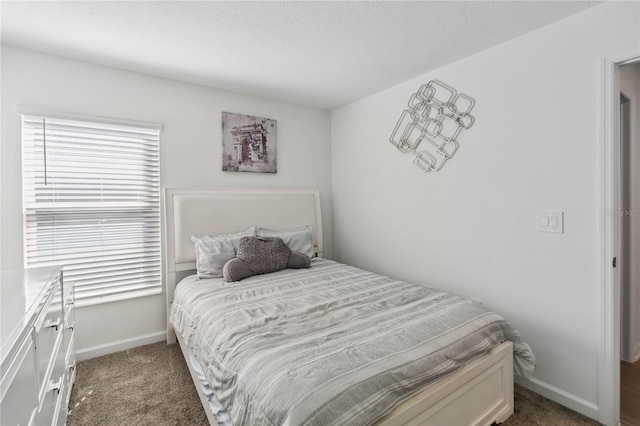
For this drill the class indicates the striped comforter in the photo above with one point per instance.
(332, 344)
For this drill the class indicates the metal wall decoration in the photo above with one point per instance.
(248, 143)
(429, 127)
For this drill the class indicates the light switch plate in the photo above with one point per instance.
(551, 221)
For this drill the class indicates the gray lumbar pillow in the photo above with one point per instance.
(261, 255)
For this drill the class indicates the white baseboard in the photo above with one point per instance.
(121, 345)
(636, 353)
(560, 396)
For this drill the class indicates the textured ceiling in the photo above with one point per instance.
(320, 53)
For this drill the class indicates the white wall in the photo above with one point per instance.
(0, 158)
(471, 228)
(630, 87)
(190, 156)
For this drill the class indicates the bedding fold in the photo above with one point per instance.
(332, 344)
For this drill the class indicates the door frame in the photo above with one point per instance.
(609, 356)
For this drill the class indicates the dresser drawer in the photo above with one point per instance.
(70, 359)
(69, 293)
(52, 389)
(21, 395)
(61, 411)
(69, 344)
(69, 322)
(49, 337)
(65, 394)
(69, 335)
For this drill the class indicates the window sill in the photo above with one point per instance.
(116, 298)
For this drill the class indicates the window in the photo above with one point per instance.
(91, 201)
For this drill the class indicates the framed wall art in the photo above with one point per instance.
(248, 143)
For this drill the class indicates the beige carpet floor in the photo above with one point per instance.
(151, 385)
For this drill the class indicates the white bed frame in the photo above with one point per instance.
(480, 393)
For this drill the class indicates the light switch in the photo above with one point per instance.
(551, 221)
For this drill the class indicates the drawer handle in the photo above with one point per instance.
(55, 386)
(53, 324)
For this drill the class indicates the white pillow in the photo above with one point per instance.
(212, 252)
(297, 239)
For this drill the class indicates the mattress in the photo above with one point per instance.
(332, 344)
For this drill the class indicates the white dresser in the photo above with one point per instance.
(37, 356)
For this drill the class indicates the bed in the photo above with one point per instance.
(307, 333)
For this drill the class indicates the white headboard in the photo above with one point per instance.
(199, 211)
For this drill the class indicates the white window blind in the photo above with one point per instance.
(91, 200)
